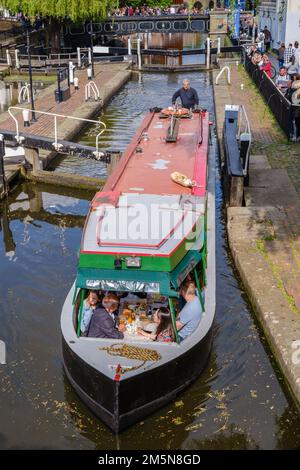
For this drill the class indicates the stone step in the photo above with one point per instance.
(259, 162)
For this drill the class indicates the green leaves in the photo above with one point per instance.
(76, 10)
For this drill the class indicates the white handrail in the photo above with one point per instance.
(24, 94)
(91, 87)
(221, 72)
(55, 144)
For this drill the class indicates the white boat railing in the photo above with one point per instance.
(56, 144)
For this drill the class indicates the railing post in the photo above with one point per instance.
(219, 45)
(2, 170)
(78, 57)
(17, 59)
(207, 53)
(8, 58)
(139, 54)
(129, 46)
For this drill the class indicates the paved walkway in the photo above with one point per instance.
(264, 236)
(108, 77)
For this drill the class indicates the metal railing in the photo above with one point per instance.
(244, 130)
(56, 144)
(282, 109)
(224, 69)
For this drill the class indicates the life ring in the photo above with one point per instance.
(175, 112)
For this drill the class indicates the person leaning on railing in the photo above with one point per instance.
(282, 79)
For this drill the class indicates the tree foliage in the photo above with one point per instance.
(76, 10)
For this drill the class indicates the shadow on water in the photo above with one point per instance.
(239, 401)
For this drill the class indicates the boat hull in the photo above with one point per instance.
(119, 404)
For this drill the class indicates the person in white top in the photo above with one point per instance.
(297, 55)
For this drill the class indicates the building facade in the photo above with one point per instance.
(282, 18)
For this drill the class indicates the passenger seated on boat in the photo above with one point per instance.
(88, 308)
(103, 324)
(165, 332)
(190, 316)
(111, 303)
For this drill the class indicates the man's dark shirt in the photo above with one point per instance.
(189, 98)
(103, 326)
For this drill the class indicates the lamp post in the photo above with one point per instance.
(33, 118)
(92, 47)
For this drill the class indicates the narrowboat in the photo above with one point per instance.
(151, 227)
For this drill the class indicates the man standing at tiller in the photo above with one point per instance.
(187, 94)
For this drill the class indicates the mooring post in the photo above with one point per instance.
(207, 53)
(2, 170)
(32, 159)
(129, 46)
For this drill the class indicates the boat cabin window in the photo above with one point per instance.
(144, 315)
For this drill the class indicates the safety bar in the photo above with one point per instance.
(225, 68)
(56, 145)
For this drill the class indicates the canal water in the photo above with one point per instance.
(239, 402)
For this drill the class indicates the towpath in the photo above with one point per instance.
(264, 236)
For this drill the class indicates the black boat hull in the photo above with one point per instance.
(120, 404)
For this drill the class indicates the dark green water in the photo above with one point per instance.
(239, 401)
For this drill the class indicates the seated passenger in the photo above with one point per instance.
(103, 324)
(190, 316)
(88, 308)
(162, 317)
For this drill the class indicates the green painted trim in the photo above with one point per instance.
(172, 310)
(74, 296)
(199, 289)
(80, 312)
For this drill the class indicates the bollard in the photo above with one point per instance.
(139, 54)
(129, 46)
(90, 56)
(17, 58)
(207, 53)
(25, 113)
(89, 73)
(78, 57)
(242, 86)
(76, 83)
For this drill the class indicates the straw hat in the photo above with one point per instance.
(296, 85)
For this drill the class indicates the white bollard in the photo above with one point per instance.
(78, 57)
(242, 86)
(219, 45)
(139, 54)
(8, 58)
(207, 53)
(76, 83)
(89, 56)
(17, 58)
(25, 113)
(89, 73)
(129, 46)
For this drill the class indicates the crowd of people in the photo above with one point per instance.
(183, 9)
(100, 316)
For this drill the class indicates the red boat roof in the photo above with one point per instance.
(148, 162)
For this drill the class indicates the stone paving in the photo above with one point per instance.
(264, 236)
